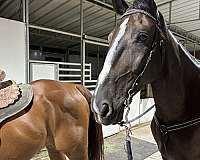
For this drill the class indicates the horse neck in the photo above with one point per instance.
(171, 91)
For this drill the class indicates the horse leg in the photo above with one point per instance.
(80, 153)
(55, 155)
(20, 142)
(76, 146)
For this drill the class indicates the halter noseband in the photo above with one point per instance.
(134, 11)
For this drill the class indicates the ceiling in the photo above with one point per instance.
(64, 15)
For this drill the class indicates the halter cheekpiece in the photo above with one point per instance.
(154, 46)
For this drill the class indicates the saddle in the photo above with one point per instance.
(13, 98)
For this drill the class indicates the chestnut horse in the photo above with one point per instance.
(59, 118)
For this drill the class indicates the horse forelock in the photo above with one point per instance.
(148, 6)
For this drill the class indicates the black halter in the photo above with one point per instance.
(155, 44)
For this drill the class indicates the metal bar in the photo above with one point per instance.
(54, 30)
(90, 81)
(69, 69)
(82, 44)
(181, 36)
(51, 37)
(69, 75)
(57, 72)
(24, 10)
(26, 22)
(96, 39)
(194, 50)
(96, 43)
(71, 81)
(91, 86)
(90, 71)
(62, 63)
(73, 75)
(170, 12)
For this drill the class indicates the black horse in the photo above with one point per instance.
(142, 50)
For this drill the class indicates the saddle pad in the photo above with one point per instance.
(25, 99)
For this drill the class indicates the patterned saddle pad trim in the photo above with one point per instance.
(25, 99)
(9, 95)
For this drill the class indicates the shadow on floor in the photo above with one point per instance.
(114, 148)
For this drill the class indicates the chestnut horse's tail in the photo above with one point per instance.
(95, 134)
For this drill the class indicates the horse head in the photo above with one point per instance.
(134, 58)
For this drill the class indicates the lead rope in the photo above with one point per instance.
(127, 123)
(127, 126)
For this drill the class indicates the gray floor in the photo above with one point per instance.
(114, 148)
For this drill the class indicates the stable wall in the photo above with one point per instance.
(12, 49)
(137, 107)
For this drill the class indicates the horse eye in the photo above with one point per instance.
(142, 37)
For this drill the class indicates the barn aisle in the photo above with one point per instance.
(143, 145)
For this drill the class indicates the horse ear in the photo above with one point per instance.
(162, 24)
(120, 6)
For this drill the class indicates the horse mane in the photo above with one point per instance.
(95, 134)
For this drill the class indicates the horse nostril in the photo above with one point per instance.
(106, 110)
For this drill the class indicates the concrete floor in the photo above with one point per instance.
(143, 146)
(144, 133)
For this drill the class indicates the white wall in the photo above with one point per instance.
(138, 106)
(134, 111)
(144, 105)
(12, 49)
(43, 71)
